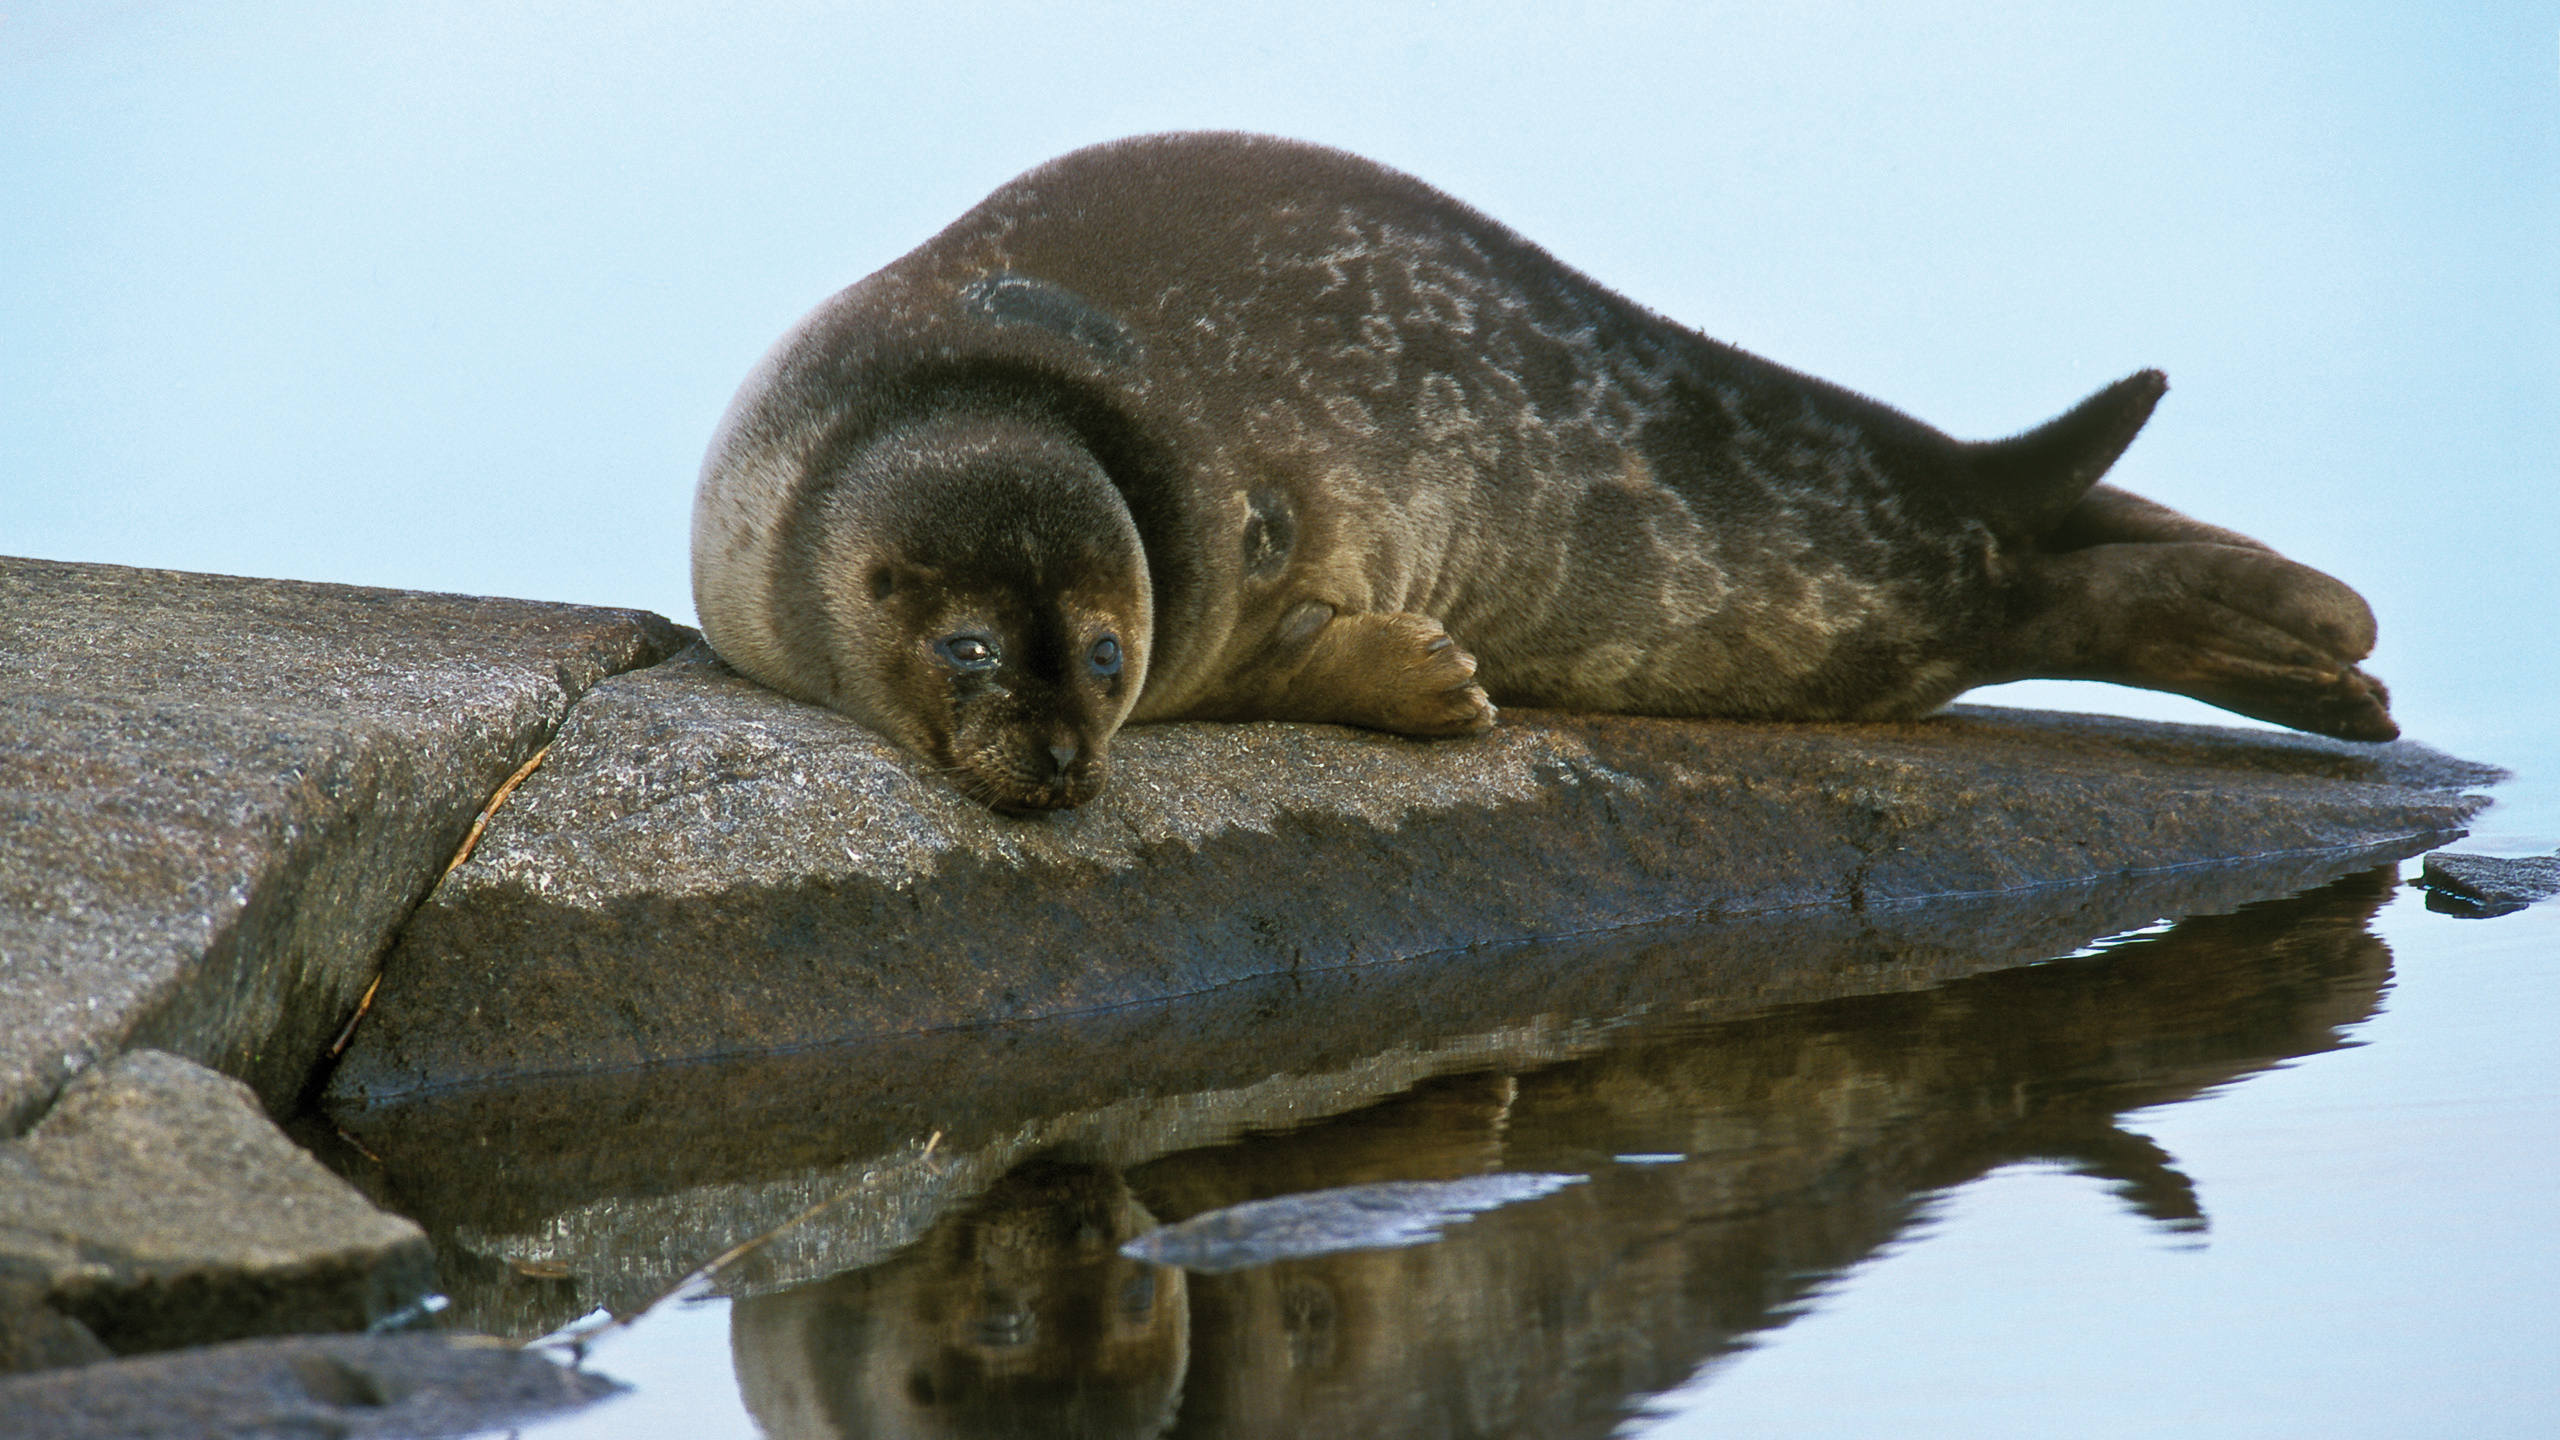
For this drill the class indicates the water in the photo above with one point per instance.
(2277, 1172)
(450, 296)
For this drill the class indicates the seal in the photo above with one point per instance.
(1220, 426)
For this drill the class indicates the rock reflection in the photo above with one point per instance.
(1804, 1141)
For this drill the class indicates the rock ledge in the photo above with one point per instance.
(704, 869)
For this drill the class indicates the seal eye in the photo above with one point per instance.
(967, 652)
(1105, 656)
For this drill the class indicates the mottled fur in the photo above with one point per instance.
(1288, 423)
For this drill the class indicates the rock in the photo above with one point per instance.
(35, 1336)
(335, 1385)
(2481, 886)
(219, 797)
(157, 1206)
(703, 868)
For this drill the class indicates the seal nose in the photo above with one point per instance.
(1065, 755)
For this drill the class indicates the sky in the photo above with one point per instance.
(450, 295)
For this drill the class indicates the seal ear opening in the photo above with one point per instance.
(2025, 484)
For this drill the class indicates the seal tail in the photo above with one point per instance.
(2023, 486)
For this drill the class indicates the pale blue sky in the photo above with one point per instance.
(449, 295)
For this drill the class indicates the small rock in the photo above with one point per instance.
(2481, 886)
(35, 1336)
(160, 1207)
(338, 1385)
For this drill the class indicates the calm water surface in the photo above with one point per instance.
(2278, 1172)
(450, 295)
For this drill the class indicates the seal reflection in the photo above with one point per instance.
(1805, 1139)
(1014, 1317)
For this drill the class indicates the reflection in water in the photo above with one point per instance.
(1388, 1214)
(1016, 1316)
(1804, 1140)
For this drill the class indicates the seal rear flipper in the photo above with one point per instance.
(2109, 516)
(2024, 486)
(2244, 629)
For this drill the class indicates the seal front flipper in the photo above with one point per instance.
(1397, 672)
(2242, 628)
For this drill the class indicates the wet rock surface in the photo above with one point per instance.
(294, 1389)
(219, 797)
(2488, 885)
(156, 1206)
(703, 869)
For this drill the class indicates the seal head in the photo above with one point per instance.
(971, 586)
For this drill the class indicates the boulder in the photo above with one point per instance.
(704, 869)
(156, 1206)
(219, 797)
